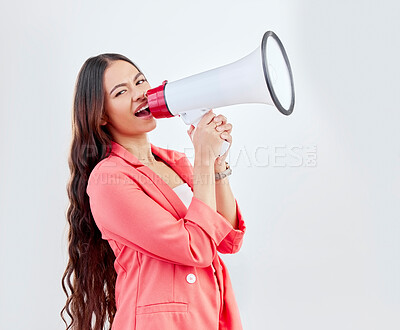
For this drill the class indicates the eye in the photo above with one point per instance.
(141, 81)
(120, 92)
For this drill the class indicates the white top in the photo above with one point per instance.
(184, 193)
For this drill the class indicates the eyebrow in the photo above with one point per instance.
(124, 84)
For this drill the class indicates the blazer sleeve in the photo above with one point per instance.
(234, 240)
(125, 213)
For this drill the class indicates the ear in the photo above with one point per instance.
(104, 120)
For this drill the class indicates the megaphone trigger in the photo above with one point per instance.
(225, 146)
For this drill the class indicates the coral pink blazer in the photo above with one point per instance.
(166, 253)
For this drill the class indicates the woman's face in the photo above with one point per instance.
(124, 88)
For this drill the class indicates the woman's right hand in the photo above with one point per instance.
(206, 139)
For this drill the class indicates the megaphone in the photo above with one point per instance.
(264, 76)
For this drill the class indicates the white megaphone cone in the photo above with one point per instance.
(264, 76)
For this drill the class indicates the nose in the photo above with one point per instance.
(139, 95)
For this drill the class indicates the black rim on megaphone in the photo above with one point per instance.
(275, 99)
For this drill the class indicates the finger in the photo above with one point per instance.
(220, 119)
(190, 130)
(225, 127)
(207, 118)
(226, 136)
(221, 159)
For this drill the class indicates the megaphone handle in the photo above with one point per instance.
(224, 147)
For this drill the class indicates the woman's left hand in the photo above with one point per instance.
(225, 130)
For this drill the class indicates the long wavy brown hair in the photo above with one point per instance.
(89, 279)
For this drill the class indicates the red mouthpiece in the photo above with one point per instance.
(156, 101)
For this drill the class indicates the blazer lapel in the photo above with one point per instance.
(177, 161)
(181, 165)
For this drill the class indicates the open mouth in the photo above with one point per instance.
(144, 112)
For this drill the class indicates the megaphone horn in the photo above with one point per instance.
(263, 76)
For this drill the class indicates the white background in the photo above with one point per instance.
(319, 189)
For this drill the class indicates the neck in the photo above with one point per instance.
(139, 147)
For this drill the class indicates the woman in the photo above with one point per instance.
(145, 225)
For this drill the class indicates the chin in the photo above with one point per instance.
(154, 125)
